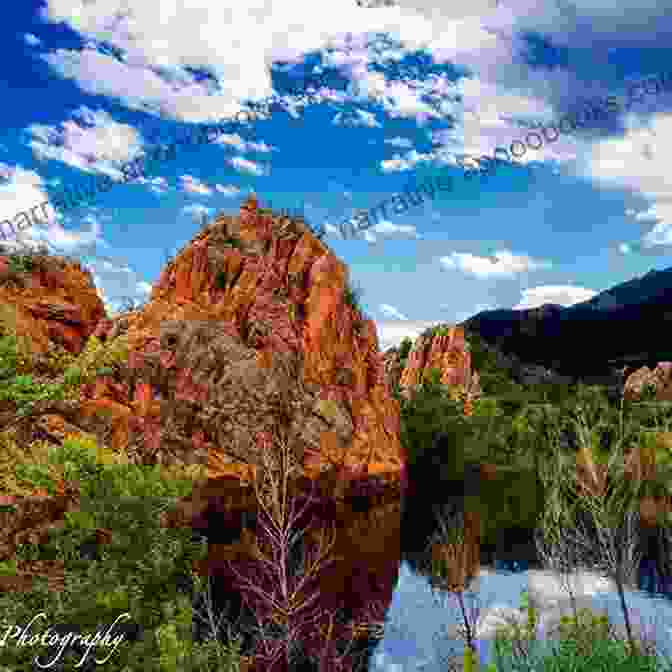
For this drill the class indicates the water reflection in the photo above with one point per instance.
(420, 566)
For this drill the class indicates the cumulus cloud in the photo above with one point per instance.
(20, 191)
(92, 141)
(563, 295)
(502, 264)
(193, 185)
(391, 311)
(32, 40)
(638, 162)
(228, 190)
(356, 118)
(399, 142)
(235, 140)
(387, 229)
(197, 211)
(245, 166)
(391, 332)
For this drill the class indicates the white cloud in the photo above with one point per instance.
(502, 264)
(244, 166)
(197, 211)
(391, 333)
(638, 162)
(399, 142)
(193, 185)
(32, 40)
(563, 295)
(391, 311)
(229, 190)
(332, 230)
(235, 140)
(95, 143)
(356, 118)
(21, 191)
(152, 72)
(388, 229)
(399, 163)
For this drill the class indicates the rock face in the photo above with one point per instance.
(392, 367)
(446, 350)
(249, 331)
(660, 378)
(50, 302)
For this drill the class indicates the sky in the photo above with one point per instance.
(359, 102)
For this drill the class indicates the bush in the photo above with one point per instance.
(233, 241)
(137, 573)
(21, 263)
(220, 280)
(24, 392)
(96, 356)
(404, 349)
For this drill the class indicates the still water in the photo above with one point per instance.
(418, 622)
(383, 556)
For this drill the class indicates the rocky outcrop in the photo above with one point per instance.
(443, 349)
(660, 379)
(48, 302)
(392, 367)
(251, 332)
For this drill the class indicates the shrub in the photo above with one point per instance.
(233, 241)
(25, 392)
(95, 356)
(137, 573)
(432, 376)
(220, 280)
(404, 349)
(21, 263)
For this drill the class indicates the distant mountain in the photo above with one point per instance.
(627, 325)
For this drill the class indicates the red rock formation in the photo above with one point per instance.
(252, 315)
(392, 367)
(660, 378)
(445, 350)
(54, 302)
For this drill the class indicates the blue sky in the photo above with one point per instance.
(360, 103)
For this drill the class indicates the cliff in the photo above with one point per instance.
(440, 351)
(251, 332)
(48, 301)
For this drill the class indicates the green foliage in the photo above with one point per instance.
(432, 376)
(9, 357)
(429, 412)
(405, 348)
(96, 355)
(135, 574)
(21, 263)
(25, 392)
(233, 241)
(439, 330)
(494, 379)
(220, 280)
(648, 393)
